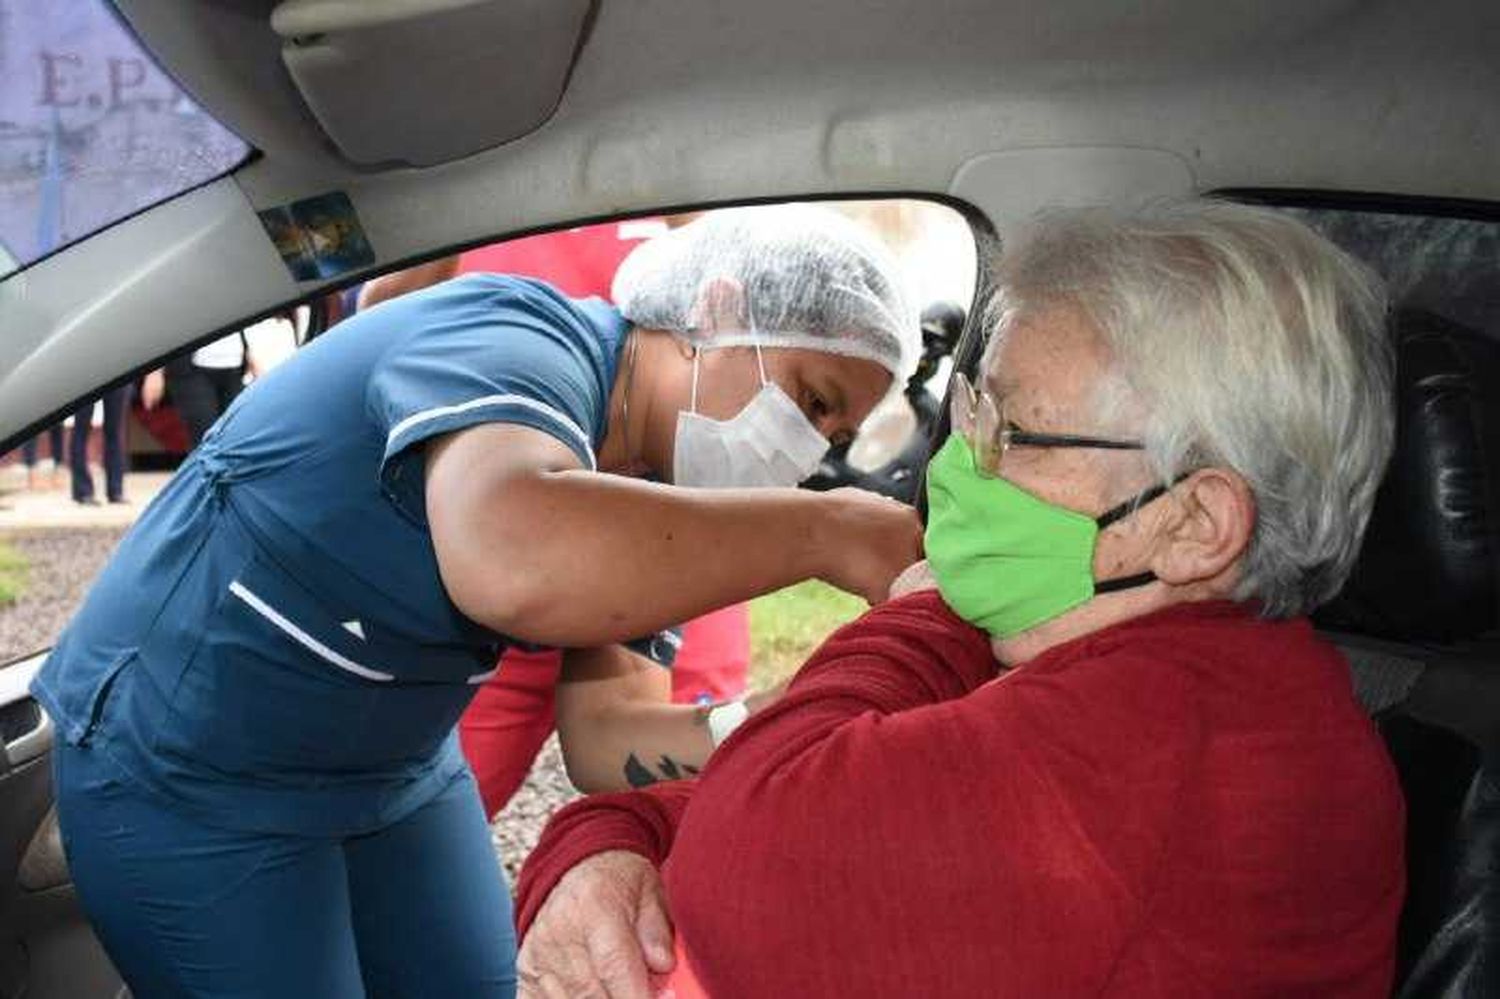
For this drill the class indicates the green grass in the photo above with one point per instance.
(786, 626)
(12, 574)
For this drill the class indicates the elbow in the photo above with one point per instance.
(513, 607)
(485, 558)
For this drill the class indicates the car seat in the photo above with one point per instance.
(1420, 622)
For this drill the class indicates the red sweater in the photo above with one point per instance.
(1187, 804)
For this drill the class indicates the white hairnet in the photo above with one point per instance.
(798, 276)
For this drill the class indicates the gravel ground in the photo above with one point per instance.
(63, 563)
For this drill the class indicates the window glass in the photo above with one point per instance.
(1450, 266)
(56, 545)
(91, 128)
(936, 253)
(52, 547)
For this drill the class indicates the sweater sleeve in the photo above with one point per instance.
(899, 799)
(641, 822)
(1171, 806)
(901, 654)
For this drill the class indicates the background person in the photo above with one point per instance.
(204, 382)
(31, 458)
(1122, 763)
(115, 404)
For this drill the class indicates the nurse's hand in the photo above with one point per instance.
(601, 932)
(873, 538)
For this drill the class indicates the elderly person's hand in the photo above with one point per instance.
(602, 932)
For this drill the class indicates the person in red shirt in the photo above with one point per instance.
(1092, 746)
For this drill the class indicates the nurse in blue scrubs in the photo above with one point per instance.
(258, 783)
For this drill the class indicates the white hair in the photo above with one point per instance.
(1250, 342)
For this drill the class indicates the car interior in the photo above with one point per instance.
(410, 129)
(1416, 621)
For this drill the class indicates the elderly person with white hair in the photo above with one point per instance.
(1107, 754)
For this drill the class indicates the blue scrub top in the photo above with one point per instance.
(271, 645)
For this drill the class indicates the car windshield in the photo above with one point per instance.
(91, 128)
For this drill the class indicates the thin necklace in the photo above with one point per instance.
(635, 344)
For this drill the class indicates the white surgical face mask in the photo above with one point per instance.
(768, 443)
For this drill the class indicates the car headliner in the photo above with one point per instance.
(1006, 105)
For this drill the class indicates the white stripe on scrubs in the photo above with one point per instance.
(495, 400)
(270, 613)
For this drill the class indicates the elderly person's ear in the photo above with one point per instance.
(720, 306)
(1206, 529)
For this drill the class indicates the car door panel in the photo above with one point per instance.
(47, 950)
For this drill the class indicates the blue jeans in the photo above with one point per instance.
(31, 450)
(417, 909)
(116, 403)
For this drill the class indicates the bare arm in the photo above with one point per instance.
(532, 546)
(618, 727)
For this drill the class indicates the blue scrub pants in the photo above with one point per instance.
(414, 910)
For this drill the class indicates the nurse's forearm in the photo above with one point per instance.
(628, 744)
(617, 727)
(574, 558)
(688, 552)
(613, 707)
(579, 558)
(631, 744)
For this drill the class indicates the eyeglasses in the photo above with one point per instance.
(976, 416)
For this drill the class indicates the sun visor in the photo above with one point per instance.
(421, 82)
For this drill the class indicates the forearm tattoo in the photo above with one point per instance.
(639, 774)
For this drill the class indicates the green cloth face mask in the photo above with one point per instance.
(1004, 560)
